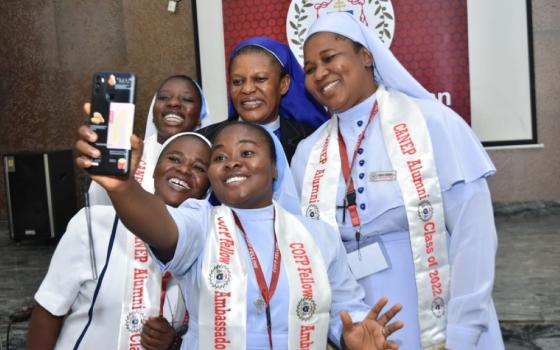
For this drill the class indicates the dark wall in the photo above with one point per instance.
(51, 48)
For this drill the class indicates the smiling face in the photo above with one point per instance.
(242, 168)
(256, 86)
(181, 171)
(337, 74)
(177, 108)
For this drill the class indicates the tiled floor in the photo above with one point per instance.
(22, 267)
(527, 288)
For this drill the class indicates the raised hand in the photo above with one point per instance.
(372, 331)
(85, 152)
(157, 334)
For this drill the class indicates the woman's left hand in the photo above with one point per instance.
(372, 332)
(157, 334)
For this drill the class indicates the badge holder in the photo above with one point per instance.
(368, 258)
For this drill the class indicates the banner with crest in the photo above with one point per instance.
(429, 37)
(474, 56)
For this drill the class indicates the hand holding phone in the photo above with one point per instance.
(86, 152)
(112, 118)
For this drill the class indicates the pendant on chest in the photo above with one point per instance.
(259, 305)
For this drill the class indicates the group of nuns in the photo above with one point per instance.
(328, 191)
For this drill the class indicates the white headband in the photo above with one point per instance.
(186, 133)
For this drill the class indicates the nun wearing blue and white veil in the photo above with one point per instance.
(178, 106)
(297, 103)
(402, 178)
(266, 87)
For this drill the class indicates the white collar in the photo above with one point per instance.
(255, 214)
(270, 127)
(358, 111)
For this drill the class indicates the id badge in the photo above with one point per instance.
(369, 259)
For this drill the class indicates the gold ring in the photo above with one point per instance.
(385, 332)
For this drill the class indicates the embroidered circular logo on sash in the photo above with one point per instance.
(425, 210)
(306, 308)
(312, 212)
(438, 307)
(134, 321)
(219, 276)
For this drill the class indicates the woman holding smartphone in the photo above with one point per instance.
(178, 106)
(103, 306)
(257, 276)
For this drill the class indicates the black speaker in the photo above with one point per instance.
(41, 193)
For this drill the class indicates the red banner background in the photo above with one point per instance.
(430, 40)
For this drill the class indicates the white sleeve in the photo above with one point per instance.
(472, 251)
(191, 219)
(68, 270)
(346, 293)
(98, 195)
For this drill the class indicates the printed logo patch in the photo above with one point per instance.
(219, 276)
(306, 308)
(438, 307)
(312, 212)
(425, 210)
(134, 321)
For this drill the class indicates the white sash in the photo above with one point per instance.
(310, 292)
(223, 293)
(223, 288)
(318, 193)
(145, 171)
(142, 291)
(409, 147)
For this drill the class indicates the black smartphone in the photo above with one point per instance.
(112, 118)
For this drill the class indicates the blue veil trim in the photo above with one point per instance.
(297, 104)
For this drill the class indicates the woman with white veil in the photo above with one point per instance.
(403, 179)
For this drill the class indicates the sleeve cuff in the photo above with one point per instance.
(174, 264)
(462, 337)
(52, 302)
(163, 266)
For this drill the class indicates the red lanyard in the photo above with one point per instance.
(350, 197)
(266, 292)
(164, 281)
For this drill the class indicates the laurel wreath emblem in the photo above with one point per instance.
(297, 27)
(376, 14)
(384, 16)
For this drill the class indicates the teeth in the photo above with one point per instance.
(173, 118)
(329, 86)
(179, 184)
(252, 104)
(236, 179)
